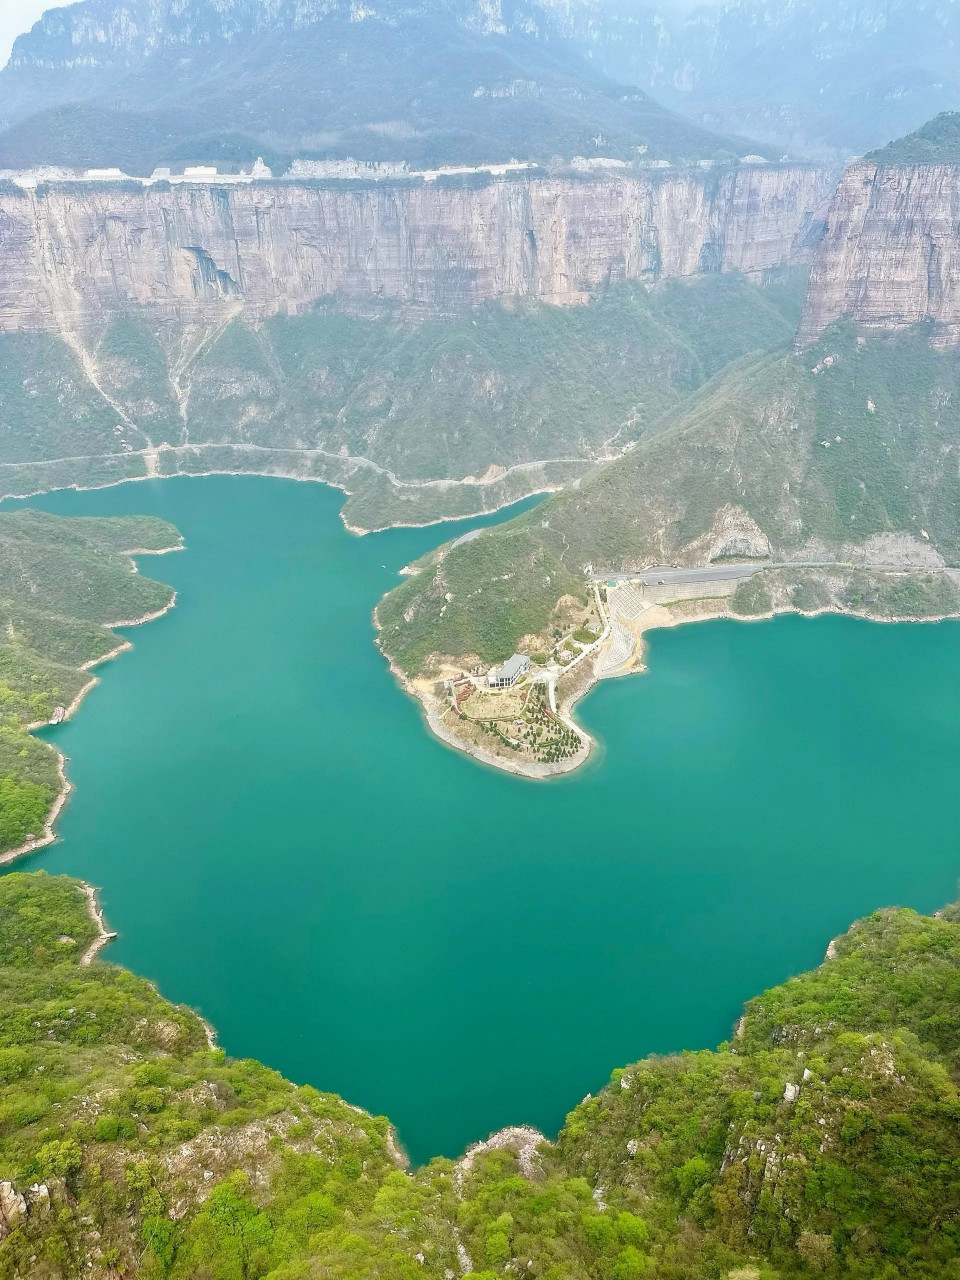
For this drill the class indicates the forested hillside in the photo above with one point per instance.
(810, 76)
(431, 83)
(526, 395)
(821, 1140)
(936, 142)
(780, 457)
(63, 582)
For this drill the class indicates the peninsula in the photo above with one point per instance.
(64, 584)
(818, 478)
(528, 728)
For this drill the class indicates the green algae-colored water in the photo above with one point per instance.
(283, 845)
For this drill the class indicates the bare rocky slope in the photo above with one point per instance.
(404, 340)
(890, 257)
(74, 255)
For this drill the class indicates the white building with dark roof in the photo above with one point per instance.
(511, 671)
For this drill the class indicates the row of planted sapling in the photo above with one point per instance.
(519, 718)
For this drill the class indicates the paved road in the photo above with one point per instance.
(465, 537)
(707, 573)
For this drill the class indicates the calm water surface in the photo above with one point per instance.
(282, 845)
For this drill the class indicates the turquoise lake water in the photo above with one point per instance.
(282, 844)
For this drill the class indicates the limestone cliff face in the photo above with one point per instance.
(891, 253)
(74, 255)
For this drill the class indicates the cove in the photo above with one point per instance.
(282, 845)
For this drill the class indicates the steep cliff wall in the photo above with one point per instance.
(74, 256)
(891, 253)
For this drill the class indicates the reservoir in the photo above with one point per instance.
(283, 845)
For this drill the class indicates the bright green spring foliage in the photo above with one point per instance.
(155, 1149)
(823, 1138)
(821, 1141)
(62, 582)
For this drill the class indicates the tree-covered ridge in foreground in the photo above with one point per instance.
(813, 456)
(821, 1141)
(543, 390)
(63, 582)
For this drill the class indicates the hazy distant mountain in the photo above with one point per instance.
(816, 75)
(433, 81)
(138, 82)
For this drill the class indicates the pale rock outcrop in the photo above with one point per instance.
(16, 1205)
(13, 1206)
(891, 253)
(895, 550)
(38, 1198)
(523, 1140)
(734, 532)
(77, 254)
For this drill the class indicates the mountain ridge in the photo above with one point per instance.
(434, 82)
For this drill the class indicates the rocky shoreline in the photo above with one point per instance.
(519, 768)
(48, 837)
(95, 912)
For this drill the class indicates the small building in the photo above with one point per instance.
(511, 671)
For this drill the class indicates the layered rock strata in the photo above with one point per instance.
(890, 257)
(76, 255)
